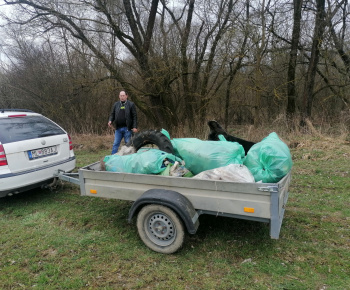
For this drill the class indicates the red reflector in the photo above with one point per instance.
(14, 116)
(3, 159)
(70, 143)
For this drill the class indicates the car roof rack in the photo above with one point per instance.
(16, 110)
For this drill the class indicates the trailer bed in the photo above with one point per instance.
(264, 202)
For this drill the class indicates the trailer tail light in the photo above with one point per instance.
(3, 159)
(249, 209)
(93, 191)
(70, 143)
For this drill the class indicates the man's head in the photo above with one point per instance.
(123, 96)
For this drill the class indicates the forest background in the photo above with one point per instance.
(182, 62)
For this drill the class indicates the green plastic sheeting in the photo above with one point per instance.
(269, 160)
(145, 161)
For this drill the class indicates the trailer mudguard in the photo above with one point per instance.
(172, 199)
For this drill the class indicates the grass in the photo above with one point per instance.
(61, 240)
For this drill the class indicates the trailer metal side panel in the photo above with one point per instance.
(267, 199)
(283, 191)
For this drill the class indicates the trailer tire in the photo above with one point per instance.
(160, 229)
(151, 137)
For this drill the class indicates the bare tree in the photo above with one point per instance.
(110, 19)
(196, 69)
(183, 61)
(291, 91)
(317, 39)
(201, 36)
(234, 67)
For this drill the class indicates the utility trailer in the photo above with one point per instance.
(168, 206)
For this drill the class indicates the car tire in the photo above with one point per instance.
(151, 137)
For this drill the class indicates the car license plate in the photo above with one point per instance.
(42, 152)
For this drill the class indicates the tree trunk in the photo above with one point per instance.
(315, 55)
(293, 59)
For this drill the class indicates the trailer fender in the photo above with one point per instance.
(172, 199)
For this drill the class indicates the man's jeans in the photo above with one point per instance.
(119, 135)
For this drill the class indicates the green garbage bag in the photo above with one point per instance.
(202, 155)
(269, 160)
(144, 161)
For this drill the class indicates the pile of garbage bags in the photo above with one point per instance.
(267, 161)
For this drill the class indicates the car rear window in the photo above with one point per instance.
(15, 129)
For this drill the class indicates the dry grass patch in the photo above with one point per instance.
(92, 143)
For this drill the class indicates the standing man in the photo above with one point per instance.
(124, 118)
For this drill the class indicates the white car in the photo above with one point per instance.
(32, 149)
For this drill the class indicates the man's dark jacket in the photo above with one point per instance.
(130, 114)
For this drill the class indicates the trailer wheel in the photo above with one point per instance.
(160, 229)
(151, 137)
